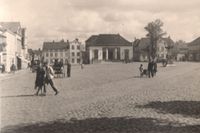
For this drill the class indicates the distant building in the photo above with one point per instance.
(108, 47)
(194, 50)
(141, 48)
(76, 51)
(181, 51)
(56, 50)
(35, 54)
(15, 49)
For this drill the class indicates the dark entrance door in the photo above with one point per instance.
(126, 51)
(110, 54)
(19, 63)
(95, 54)
(104, 53)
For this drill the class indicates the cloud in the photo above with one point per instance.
(57, 19)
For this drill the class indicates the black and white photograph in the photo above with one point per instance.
(99, 66)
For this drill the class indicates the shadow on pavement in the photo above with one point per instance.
(104, 125)
(186, 108)
(30, 95)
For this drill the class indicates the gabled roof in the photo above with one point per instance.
(107, 40)
(55, 45)
(195, 42)
(15, 27)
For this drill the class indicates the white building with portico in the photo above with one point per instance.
(108, 47)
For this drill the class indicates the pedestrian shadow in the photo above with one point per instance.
(186, 108)
(140, 77)
(29, 95)
(104, 125)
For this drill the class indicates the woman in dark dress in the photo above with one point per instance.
(40, 79)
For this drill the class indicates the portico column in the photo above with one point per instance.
(100, 55)
(91, 55)
(115, 53)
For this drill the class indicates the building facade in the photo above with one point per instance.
(141, 48)
(108, 47)
(76, 52)
(15, 50)
(56, 51)
(194, 50)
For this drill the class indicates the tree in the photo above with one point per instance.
(155, 32)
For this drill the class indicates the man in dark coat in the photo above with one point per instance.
(155, 68)
(150, 69)
(68, 69)
(40, 79)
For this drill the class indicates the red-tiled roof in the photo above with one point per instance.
(55, 45)
(107, 40)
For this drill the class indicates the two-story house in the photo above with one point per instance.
(56, 51)
(15, 50)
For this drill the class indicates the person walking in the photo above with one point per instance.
(49, 77)
(40, 80)
(150, 69)
(155, 67)
(68, 69)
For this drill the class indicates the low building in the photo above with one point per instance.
(194, 50)
(108, 47)
(141, 48)
(56, 51)
(76, 51)
(182, 51)
(15, 50)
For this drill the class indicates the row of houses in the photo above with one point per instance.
(114, 47)
(64, 51)
(13, 45)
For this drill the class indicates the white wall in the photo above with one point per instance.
(100, 52)
(11, 50)
(61, 54)
(122, 54)
(76, 57)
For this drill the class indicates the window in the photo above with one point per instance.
(73, 54)
(72, 60)
(78, 46)
(51, 54)
(47, 60)
(78, 53)
(61, 54)
(72, 46)
(47, 54)
(78, 60)
(56, 54)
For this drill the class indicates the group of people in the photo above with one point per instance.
(44, 76)
(150, 71)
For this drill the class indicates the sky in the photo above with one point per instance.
(48, 20)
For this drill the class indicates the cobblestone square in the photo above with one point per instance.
(105, 98)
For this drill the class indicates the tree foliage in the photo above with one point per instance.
(155, 32)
